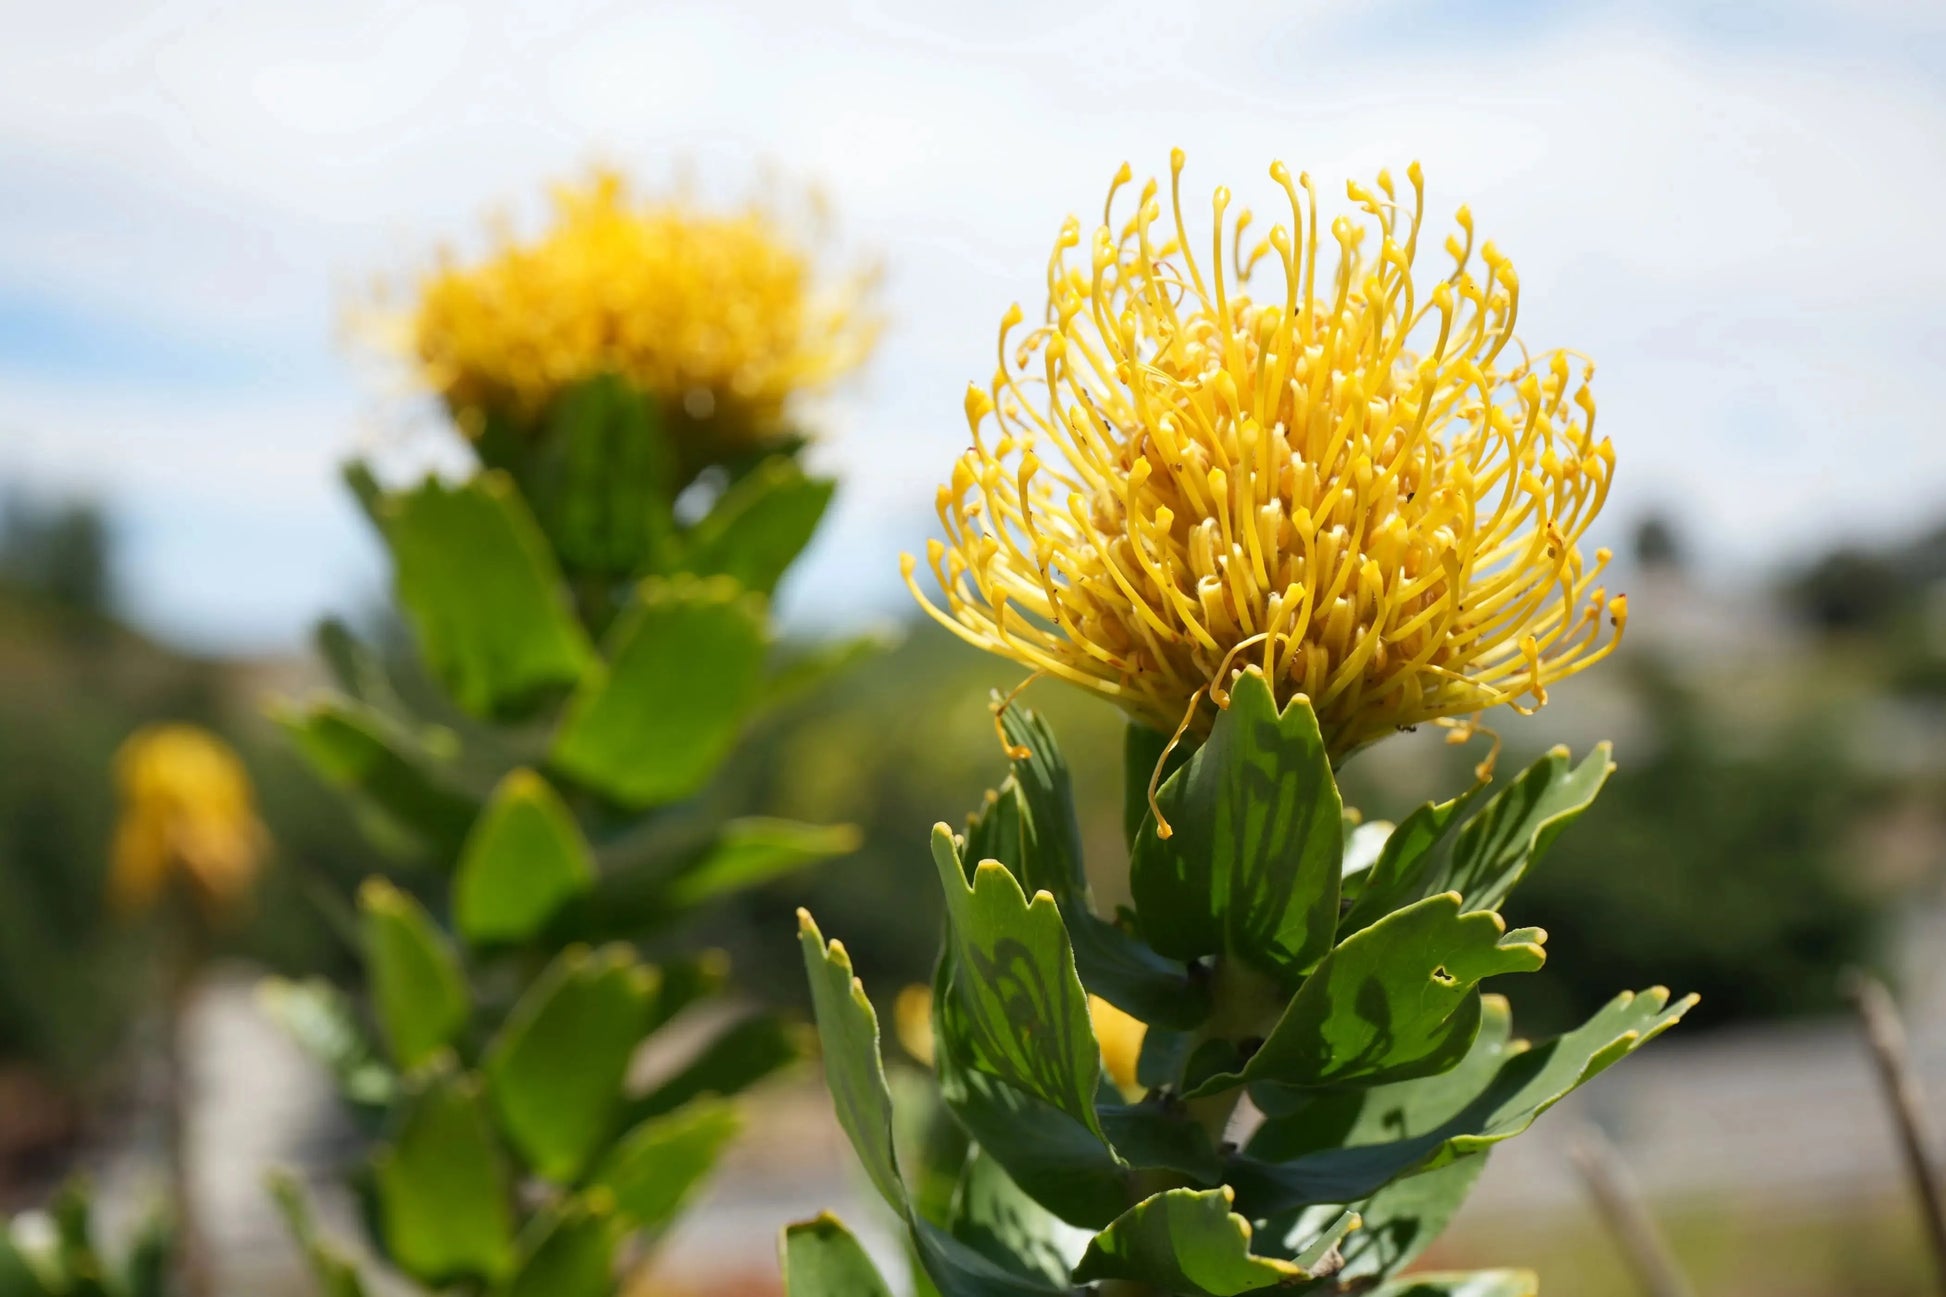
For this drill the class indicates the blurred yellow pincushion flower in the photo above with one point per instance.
(187, 811)
(721, 317)
(1359, 482)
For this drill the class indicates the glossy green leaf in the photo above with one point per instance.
(736, 1058)
(333, 1273)
(524, 860)
(480, 587)
(1113, 964)
(655, 1168)
(683, 667)
(443, 1193)
(321, 1019)
(1405, 863)
(995, 1218)
(760, 525)
(1053, 1156)
(556, 1070)
(822, 1259)
(1188, 1242)
(602, 477)
(1481, 1283)
(855, 1075)
(359, 750)
(418, 992)
(1397, 1000)
(1518, 824)
(567, 1251)
(1252, 865)
(1025, 1012)
(1343, 1147)
(755, 850)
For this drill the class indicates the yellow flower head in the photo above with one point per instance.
(718, 316)
(186, 810)
(1359, 482)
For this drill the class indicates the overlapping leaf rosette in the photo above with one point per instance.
(1274, 529)
(591, 605)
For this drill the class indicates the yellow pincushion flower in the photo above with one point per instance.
(719, 316)
(187, 810)
(1360, 481)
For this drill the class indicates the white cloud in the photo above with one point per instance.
(1742, 233)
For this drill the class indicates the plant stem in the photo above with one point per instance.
(1627, 1216)
(1885, 1034)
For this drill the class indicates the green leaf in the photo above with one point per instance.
(568, 1251)
(737, 1058)
(654, 721)
(19, 1278)
(1399, 876)
(359, 750)
(1252, 866)
(443, 1195)
(855, 1075)
(335, 1275)
(556, 1070)
(524, 860)
(1396, 1000)
(417, 990)
(1112, 963)
(655, 1168)
(355, 667)
(1402, 1219)
(1025, 1012)
(995, 1218)
(602, 477)
(1517, 826)
(759, 526)
(1184, 1241)
(822, 1259)
(481, 590)
(150, 1266)
(1481, 1283)
(853, 1069)
(1343, 1147)
(321, 1019)
(755, 850)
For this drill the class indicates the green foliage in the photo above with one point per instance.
(523, 862)
(590, 658)
(682, 669)
(822, 1259)
(483, 593)
(73, 1264)
(1341, 964)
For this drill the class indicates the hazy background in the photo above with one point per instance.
(1733, 207)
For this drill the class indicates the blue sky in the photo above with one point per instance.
(1734, 208)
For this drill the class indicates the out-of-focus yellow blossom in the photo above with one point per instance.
(912, 1021)
(1119, 1034)
(720, 316)
(1359, 481)
(187, 811)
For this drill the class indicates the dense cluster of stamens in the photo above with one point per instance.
(715, 314)
(1363, 485)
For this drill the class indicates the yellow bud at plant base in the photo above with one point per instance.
(719, 316)
(1359, 481)
(187, 811)
(1120, 1037)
